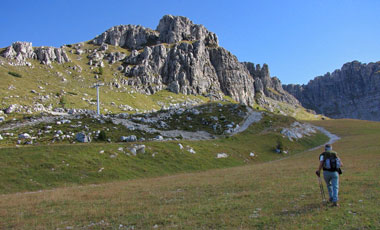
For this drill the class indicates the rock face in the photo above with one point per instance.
(174, 29)
(182, 57)
(268, 86)
(351, 92)
(128, 36)
(19, 52)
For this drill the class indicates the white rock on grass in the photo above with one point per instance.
(1, 138)
(24, 136)
(221, 155)
(101, 151)
(121, 149)
(180, 146)
(159, 138)
(132, 150)
(2, 119)
(252, 154)
(191, 150)
(100, 170)
(140, 149)
(131, 138)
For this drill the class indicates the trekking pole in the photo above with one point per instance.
(322, 190)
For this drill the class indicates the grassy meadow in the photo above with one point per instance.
(279, 194)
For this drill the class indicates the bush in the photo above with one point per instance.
(100, 70)
(280, 145)
(14, 74)
(62, 101)
(102, 136)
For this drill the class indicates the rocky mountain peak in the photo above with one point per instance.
(171, 29)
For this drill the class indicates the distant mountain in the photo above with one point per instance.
(178, 56)
(351, 92)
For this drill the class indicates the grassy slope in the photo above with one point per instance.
(274, 195)
(41, 167)
(78, 85)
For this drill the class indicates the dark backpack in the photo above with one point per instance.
(330, 161)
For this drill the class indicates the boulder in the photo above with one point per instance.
(140, 149)
(221, 155)
(2, 119)
(12, 108)
(82, 137)
(24, 136)
(131, 138)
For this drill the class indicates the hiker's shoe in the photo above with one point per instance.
(330, 200)
(335, 204)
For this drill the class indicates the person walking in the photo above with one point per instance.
(331, 163)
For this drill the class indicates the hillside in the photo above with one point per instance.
(143, 70)
(273, 195)
(350, 92)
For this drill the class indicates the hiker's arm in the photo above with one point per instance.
(318, 172)
(341, 163)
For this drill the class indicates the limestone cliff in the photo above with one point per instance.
(351, 92)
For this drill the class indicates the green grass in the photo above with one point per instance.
(40, 167)
(270, 195)
(78, 85)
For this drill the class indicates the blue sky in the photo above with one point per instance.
(298, 39)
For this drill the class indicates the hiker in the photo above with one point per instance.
(331, 163)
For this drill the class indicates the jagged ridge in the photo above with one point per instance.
(351, 92)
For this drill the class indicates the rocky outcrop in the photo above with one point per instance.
(173, 29)
(46, 55)
(128, 36)
(351, 92)
(20, 52)
(268, 86)
(189, 68)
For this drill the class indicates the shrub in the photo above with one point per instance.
(102, 136)
(280, 145)
(100, 70)
(62, 101)
(14, 74)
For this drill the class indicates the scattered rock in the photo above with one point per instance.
(131, 138)
(140, 149)
(82, 137)
(251, 154)
(159, 138)
(24, 136)
(1, 138)
(191, 150)
(222, 155)
(11, 109)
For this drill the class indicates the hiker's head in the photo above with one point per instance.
(328, 147)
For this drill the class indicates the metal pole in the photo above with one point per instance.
(97, 98)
